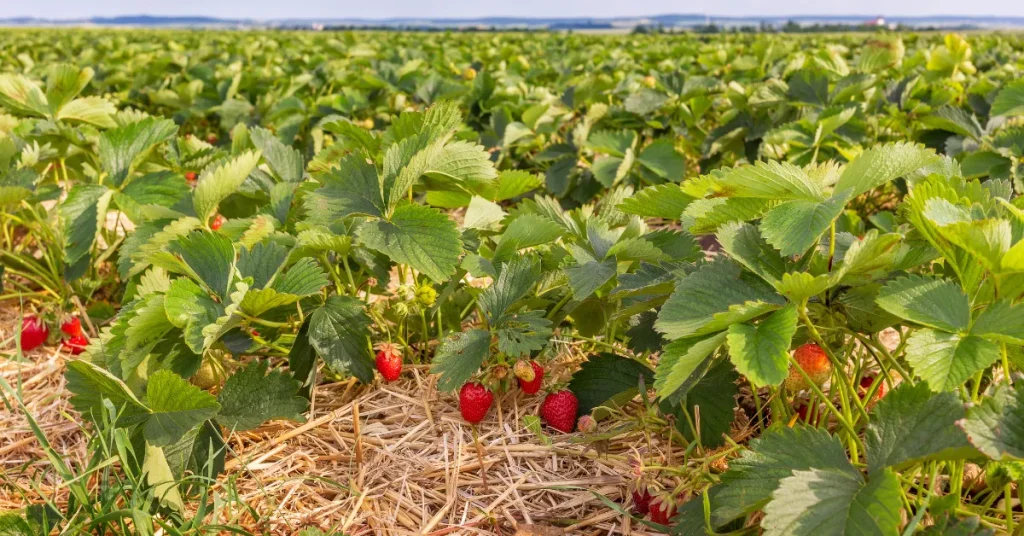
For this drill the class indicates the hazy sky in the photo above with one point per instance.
(267, 9)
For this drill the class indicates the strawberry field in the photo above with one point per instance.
(329, 283)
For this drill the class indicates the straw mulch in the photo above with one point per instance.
(380, 459)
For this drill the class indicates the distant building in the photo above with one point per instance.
(878, 22)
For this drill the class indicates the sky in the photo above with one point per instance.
(278, 9)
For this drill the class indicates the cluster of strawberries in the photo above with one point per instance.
(35, 333)
(558, 410)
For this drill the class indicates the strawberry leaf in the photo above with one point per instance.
(176, 407)
(761, 352)
(936, 303)
(947, 360)
(830, 502)
(216, 184)
(996, 425)
(608, 377)
(794, 226)
(459, 357)
(881, 165)
(752, 479)
(712, 298)
(251, 397)
(682, 364)
(121, 149)
(911, 425)
(665, 201)
(90, 385)
(340, 333)
(418, 236)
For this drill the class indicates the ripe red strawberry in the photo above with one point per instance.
(475, 401)
(815, 363)
(218, 220)
(72, 327)
(641, 501)
(389, 362)
(190, 176)
(211, 139)
(33, 333)
(559, 411)
(531, 387)
(662, 510)
(76, 344)
(865, 385)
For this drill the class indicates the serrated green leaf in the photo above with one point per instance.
(22, 95)
(121, 149)
(714, 297)
(251, 397)
(1010, 100)
(418, 236)
(95, 111)
(520, 334)
(607, 377)
(257, 302)
(285, 161)
(210, 256)
(912, 424)
(704, 216)
(261, 262)
(937, 303)
(176, 406)
(834, 503)
(881, 165)
(83, 213)
(463, 163)
(770, 180)
(666, 201)
(995, 426)
(304, 278)
(586, 278)
(191, 309)
(761, 352)
(798, 286)
(661, 158)
(459, 356)
(682, 364)
(90, 385)
(947, 360)
(161, 479)
(752, 479)
(515, 280)
(482, 214)
(528, 230)
(340, 332)
(352, 188)
(513, 183)
(744, 244)
(217, 183)
(1001, 322)
(794, 226)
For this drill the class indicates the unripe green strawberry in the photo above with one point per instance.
(211, 372)
(559, 411)
(475, 401)
(813, 360)
(426, 295)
